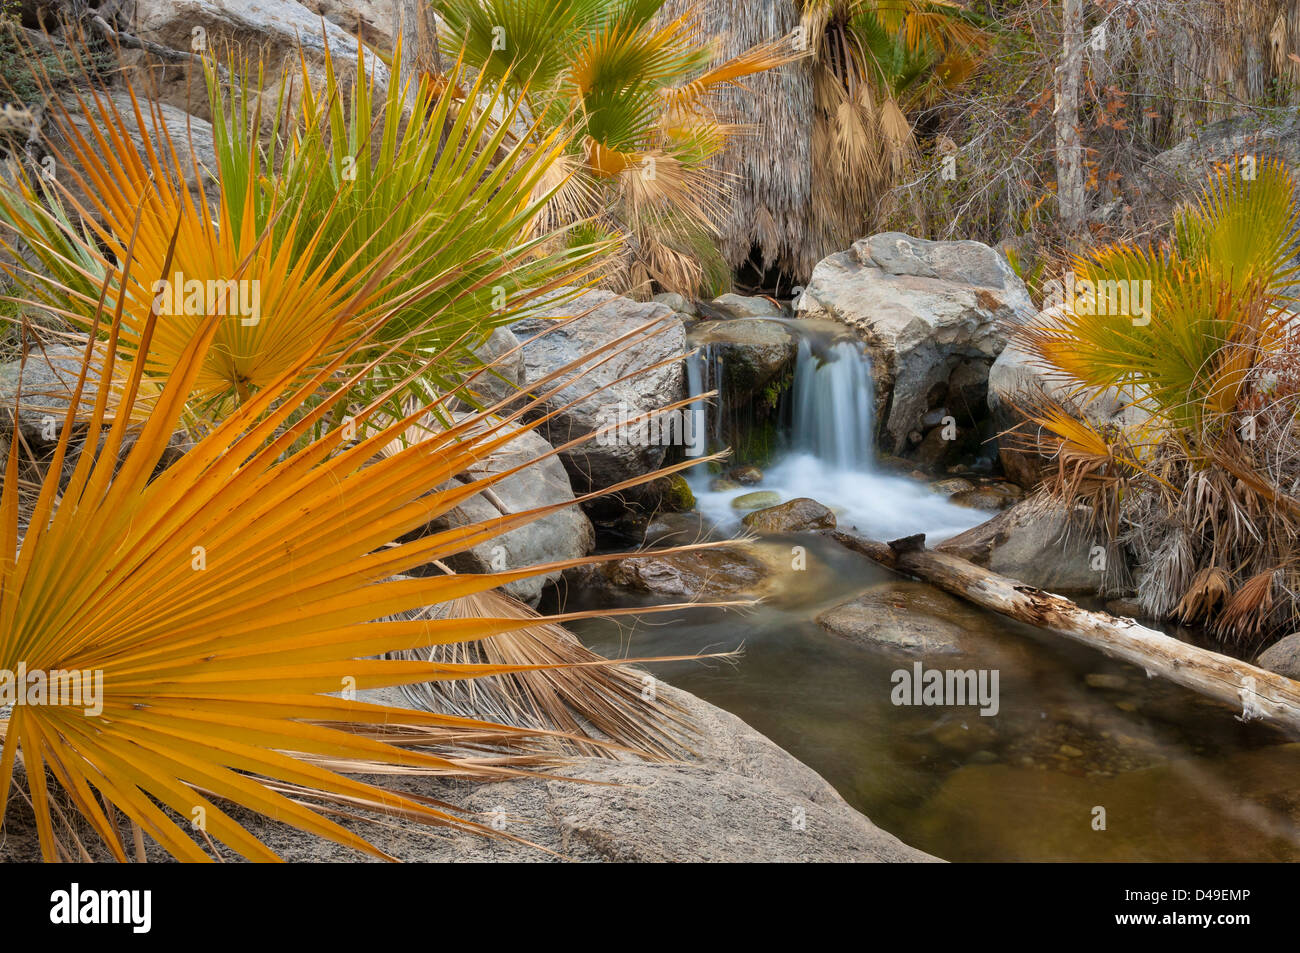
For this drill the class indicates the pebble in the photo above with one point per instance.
(1100, 680)
(1070, 751)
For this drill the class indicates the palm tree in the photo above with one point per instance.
(635, 94)
(1198, 332)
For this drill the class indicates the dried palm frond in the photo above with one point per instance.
(606, 702)
(1246, 615)
(1209, 590)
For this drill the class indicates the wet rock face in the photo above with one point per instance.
(799, 515)
(752, 353)
(905, 617)
(933, 315)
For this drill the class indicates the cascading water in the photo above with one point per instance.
(831, 448)
(831, 415)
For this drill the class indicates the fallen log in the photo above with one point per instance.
(1259, 693)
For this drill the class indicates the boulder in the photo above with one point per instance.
(1035, 542)
(565, 534)
(734, 798)
(798, 515)
(1181, 172)
(374, 19)
(503, 374)
(602, 318)
(931, 313)
(675, 302)
(189, 135)
(750, 354)
(47, 381)
(741, 306)
(1283, 656)
(757, 500)
(907, 617)
(272, 32)
(677, 529)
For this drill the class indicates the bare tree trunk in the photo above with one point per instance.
(1257, 692)
(1069, 148)
(414, 22)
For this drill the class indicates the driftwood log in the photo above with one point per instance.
(1258, 692)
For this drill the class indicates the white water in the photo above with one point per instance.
(832, 456)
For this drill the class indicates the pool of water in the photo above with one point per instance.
(1086, 759)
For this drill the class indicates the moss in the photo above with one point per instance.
(677, 495)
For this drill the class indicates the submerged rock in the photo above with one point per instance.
(909, 617)
(707, 572)
(796, 516)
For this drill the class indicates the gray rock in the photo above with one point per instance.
(1283, 656)
(605, 317)
(735, 798)
(271, 32)
(373, 18)
(798, 515)
(908, 617)
(1180, 173)
(924, 310)
(47, 381)
(744, 307)
(565, 534)
(503, 372)
(677, 529)
(189, 135)
(675, 302)
(1034, 542)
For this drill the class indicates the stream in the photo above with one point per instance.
(1085, 759)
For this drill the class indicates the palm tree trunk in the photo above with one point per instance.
(415, 23)
(1069, 148)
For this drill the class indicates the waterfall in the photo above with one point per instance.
(833, 397)
(830, 445)
(704, 374)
